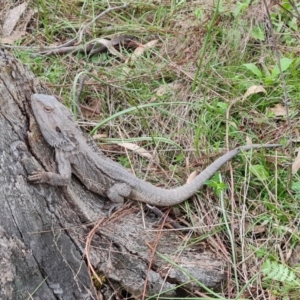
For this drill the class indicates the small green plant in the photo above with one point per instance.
(259, 171)
(199, 14)
(258, 33)
(241, 6)
(217, 186)
(124, 161)
(274, 72)
(285, 280)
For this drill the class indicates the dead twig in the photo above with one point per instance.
(159, 213)
(72, 45)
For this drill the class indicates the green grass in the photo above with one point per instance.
(173, 101)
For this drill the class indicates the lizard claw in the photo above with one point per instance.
(113, 208)
(36, 176)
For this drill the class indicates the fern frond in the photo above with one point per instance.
(279, 272)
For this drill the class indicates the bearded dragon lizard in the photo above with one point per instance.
(98, 173)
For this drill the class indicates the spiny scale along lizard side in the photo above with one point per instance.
(98, 173)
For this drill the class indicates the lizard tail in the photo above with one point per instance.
(162, 197)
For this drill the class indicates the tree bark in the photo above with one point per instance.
(43, 229)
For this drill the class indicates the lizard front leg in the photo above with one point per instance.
(61, 179)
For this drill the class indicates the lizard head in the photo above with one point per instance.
(56, 122)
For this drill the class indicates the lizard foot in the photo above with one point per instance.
(38, 176)
(113, 208)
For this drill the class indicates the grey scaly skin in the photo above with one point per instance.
(98, 173)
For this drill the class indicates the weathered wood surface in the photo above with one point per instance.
(43, 229)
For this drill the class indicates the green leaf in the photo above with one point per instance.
(179, 158)
(293, 24)
(254, 69)
(287, 5)
(296, 186)
(260, 172)
(215, 183)
(285, 63)
(240, 7)
(223, 106)
(199, 13)
(124, 161)
(257, 33)
(279, 272)
(261, 252)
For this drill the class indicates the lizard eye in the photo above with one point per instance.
(57, 129)
(47, 109)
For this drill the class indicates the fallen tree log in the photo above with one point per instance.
(43, 229)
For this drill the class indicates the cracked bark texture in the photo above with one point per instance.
(43, 228)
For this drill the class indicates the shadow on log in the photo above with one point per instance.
(43, 229)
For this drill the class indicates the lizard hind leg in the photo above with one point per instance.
(118, 192)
